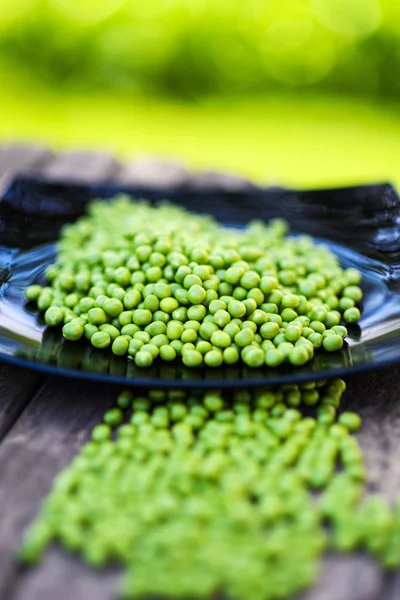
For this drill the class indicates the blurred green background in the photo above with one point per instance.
(299, 92)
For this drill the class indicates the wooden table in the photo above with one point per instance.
(44, 421)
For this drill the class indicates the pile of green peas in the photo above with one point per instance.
(201, 493)
(156, 281)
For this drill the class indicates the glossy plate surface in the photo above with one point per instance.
(361, 225)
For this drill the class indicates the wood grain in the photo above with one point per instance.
(44, 439)
(159, 173)
(17, 386)
(82, 167)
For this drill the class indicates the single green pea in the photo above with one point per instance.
(318, 313)
(192, 358)
(151, 349)
(33, 292)
(160, 340)
(316, 339)
(221, 318)
(231, 355)
(130, 329)
(120, 345)
(253, 356)
(101, 432)
(53, 316)
(169, 305)
(232, 329)
(269, 330)
(345, 303)
(352, 315)
(97, 316)
(268, 284)
(214, 358)
(189, 335)
(72, 331)
(141, 317)
(143, 359)
(299, 356)
(167, 353)
(100, 339)
(332, 343)
(221, 339)
(151, 302)
(293, 332)
(196, 293)
(132, 299)
(44, 301)
(196, 312)
(156, 328)
(113, 417)
(350, 421)
(244, 337)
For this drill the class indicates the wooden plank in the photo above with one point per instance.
(44, 439)
(16, 158)
(65, 577)
(215, 180)
(153, 172)
(81, 166)
(21, 160)
(17, 386)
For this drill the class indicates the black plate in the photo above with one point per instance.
(360, 224)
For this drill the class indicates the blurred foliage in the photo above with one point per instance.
(192, 48)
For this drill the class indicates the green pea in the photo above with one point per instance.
(299, 356)
(89, 330)
(143, 359)
(352, 315)
(231, 355)
(134, 346)
(192, 358)
(72, 331)
(151, 349)
(253, 356)
(268, 285)
(45, 300)
(167, 353)
(33, 292)
(221, 318)
(214, 358)
(53, 316)
(132, 299)
(197, 312)
(141, 317)
(100, 339)
(244, 337)
(345, 303)
(189, 335)
(221, 339)
(350, 421)
(130, 329)
(113, 417)
(333, 342)
(120, 345)
(269, 330)
(97, 316)
(169, 305)
(274, 357)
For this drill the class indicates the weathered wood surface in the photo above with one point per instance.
(44, 421)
